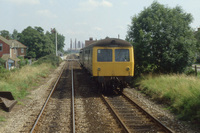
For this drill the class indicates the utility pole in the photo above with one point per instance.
(56, 44)
(54, 31)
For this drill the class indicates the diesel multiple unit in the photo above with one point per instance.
(109, 61)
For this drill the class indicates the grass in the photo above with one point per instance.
(2, 119)
(180, 92)
(21, 81)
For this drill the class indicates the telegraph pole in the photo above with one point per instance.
(56, 44)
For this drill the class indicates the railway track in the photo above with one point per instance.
(131, 116)
(57, 114)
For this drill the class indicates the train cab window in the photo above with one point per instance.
(104, 55)
(122, 55)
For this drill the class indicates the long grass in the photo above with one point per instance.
(19, 82)
(180, 92)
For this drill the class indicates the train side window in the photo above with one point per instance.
(122, 55)
(104, 55)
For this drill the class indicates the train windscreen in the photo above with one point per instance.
(104, 55)
(122, 55)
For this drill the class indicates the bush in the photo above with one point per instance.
(52, 59)
(22, 62)
(189, 71)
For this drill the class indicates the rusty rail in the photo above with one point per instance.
(121, 121)
(73, 112)
(148, 115)
(44, 106)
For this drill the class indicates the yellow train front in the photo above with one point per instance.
(110, 62)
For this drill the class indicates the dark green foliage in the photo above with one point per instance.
(38, 44)
(22, 62)
(5, 34)
(197, 36)
(54, 60)
(60, 39)
(2, 62)
(189, 71)
(162, 39)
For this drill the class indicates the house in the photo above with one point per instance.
(10, 50)
(90, 41)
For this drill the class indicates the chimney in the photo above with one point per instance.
(91, 39)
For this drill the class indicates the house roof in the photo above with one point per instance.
(4, 40)
(13, 43)
(7, 56)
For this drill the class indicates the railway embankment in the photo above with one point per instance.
(28, 85)
(180, 94)
(20, 81)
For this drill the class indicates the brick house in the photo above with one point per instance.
(90, 41)
(10, 50)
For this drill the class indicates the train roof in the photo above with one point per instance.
(111, 42)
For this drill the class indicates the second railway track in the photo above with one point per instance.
(131, 116)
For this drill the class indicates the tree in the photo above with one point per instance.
(15, 34)
(60, 39)
(162, 39)
(38, 44)
(5, 34)
(197, 36)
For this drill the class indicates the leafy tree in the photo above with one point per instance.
(197, 36)
(5, 34)
(15, 34)
(60, 39)
(162, 39)
(38, 43)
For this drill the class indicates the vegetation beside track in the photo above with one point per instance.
(180, 92)
(21, 81)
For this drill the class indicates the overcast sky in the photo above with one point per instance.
(82, 19)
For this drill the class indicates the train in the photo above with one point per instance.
(110, 62)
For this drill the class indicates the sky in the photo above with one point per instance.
(82, 19)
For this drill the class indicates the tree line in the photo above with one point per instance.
(163, 39)
(39, 43)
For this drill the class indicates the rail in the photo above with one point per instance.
(122, 120)
(148, 115)
(73, 112)
(44, 106)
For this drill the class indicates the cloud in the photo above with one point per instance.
(97, 28)
(90, 5)
(46, 13)
(80, 23)
(24, 2)
(72, 32)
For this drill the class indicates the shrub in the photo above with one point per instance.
(52, 59)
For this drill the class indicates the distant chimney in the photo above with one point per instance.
(91, 39)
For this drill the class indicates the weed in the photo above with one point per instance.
(181, 92)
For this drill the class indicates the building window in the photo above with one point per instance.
(22, 50)
(1, 47)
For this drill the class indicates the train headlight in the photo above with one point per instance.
(99, 69)
(127, 69)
